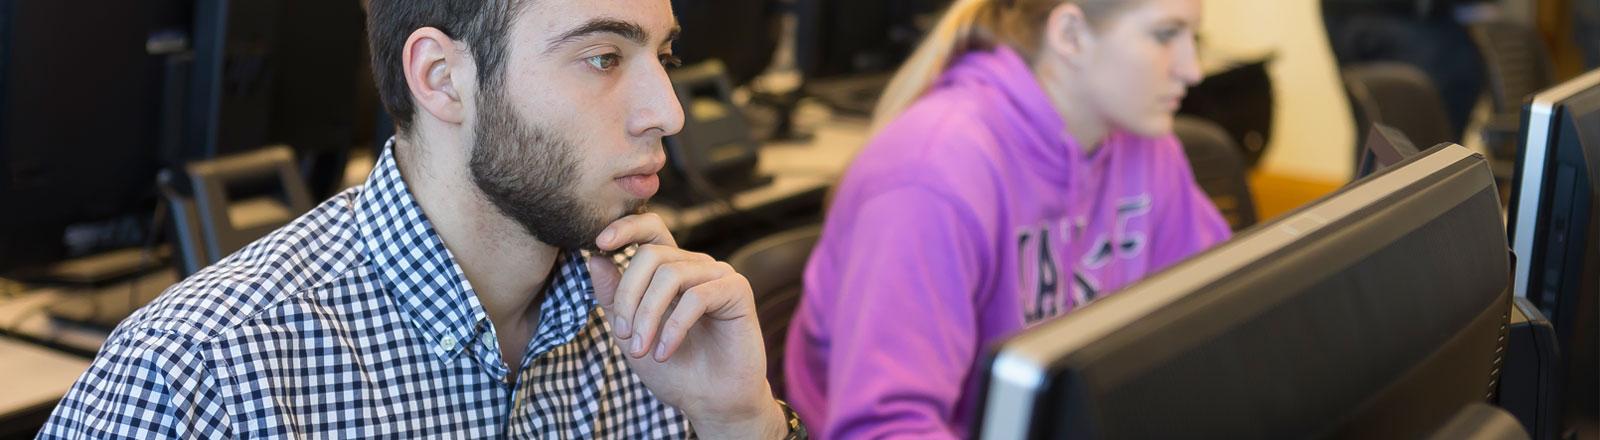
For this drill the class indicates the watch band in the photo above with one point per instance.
(797, 430)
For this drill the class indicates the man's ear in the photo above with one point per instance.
(428, 61)
(1067, 33)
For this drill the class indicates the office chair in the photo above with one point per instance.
(775, 266)
(1517, 65)
(1397, 95)
(1218, 167)
(211, 221)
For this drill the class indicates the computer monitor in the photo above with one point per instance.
(843, 37)
(1372, 313)
(1554, 229)
(847, 49)
(291, 72)
(92, 105)
(742, 34)
(82, 92)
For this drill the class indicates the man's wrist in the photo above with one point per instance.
(771, 422)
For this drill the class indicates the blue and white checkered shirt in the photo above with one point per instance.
(354, 321)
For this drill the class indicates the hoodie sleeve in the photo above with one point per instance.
(904, 330)
(1188, 222)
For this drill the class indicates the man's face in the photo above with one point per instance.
(571, 139)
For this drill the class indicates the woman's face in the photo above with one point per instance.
(1134, 69)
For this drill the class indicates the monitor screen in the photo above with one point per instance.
(845, 37)
(1374, 312)
(81, 100)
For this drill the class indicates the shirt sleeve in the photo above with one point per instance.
(1188, 223)
(904, 334)
(143, 384)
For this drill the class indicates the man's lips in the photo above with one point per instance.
(641, 181)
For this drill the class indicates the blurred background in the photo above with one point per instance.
(141, 141)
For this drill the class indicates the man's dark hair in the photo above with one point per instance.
(482, 25)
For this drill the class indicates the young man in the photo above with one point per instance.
(448, 297)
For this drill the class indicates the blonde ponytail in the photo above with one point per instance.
(957, 32)
(976, 25)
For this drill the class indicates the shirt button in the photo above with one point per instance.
(448, 343)
(488, 340)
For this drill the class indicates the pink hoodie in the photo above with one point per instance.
(967, 218)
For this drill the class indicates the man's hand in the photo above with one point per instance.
(688, 325)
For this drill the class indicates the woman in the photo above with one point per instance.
(1023, 165)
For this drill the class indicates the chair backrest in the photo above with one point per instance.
(1239, 99)
(210, 222)
(1219, 169)
(1517, 63)
(775, 266)
(1397, 95)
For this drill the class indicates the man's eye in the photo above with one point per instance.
(604, 62)
(670, 60)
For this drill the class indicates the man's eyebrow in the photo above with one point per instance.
(628, 30)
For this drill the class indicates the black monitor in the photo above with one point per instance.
(847, 49)
(92, 105)
(83, 91)
(1554, 230)
(281, 72)
(1372, 313)
(844, 37)
(742, 34)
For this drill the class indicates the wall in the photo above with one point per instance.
(1312, 133)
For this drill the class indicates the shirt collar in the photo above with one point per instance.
(430, 288)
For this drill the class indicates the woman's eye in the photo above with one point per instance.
(604, 62)
(1166, 35)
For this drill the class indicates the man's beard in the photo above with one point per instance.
(529, 174)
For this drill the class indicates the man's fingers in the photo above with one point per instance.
(711, 300)
(669, 281)
(641, 270)
(647, 228)
(631, 284)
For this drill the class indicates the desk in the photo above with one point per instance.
(770, 204)
(27, 314)
(834, 141)
(34, 379)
